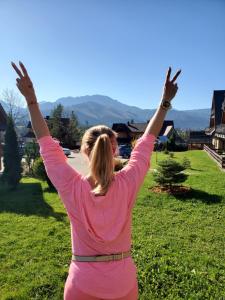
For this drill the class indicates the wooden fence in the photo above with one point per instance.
(219, 158)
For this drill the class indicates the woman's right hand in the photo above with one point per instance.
(24, 83)
(170, 87)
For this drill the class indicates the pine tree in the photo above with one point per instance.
(11, 159)
(56, 127)
(169, 173)
(73, 132)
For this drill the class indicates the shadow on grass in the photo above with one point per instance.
(199, 195)
(28, 200)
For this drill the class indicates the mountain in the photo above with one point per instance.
(99, 109)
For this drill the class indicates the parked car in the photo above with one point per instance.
(66, 151)
(125, 150)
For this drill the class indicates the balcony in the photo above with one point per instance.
(220, 128)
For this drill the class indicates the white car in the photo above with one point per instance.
(66, 151)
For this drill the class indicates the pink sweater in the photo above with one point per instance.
(99, 224)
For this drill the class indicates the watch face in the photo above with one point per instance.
(166, 104)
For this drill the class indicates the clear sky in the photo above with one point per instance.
(118, 48)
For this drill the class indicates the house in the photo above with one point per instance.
(197, 139)
(30, 136)
(131, 131)
(216, 129)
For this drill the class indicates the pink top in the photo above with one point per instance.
(99, 224)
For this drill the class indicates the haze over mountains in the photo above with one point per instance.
(99, 109)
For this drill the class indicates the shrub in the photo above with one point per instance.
(119, 164)
(169, 173)
(171, 154)
(186, 163)
(166, 151)
(40, 172)
(31, 152)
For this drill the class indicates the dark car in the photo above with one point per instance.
(125, 150)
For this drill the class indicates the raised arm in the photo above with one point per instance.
(26, 88)
(169, 91)
(61, 174)
(136, 169)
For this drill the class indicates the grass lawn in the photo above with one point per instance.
(178, 243)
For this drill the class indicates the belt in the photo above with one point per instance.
(116, 256)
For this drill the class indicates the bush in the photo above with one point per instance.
(31, 152)
(169, 173)
(166, 151)
(40, 172)
(119, 164)
(186, 163)
(171, 154)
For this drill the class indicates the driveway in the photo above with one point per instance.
(78, 162)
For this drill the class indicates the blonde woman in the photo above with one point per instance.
(99, 206)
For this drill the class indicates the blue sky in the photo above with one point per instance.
(117, 48)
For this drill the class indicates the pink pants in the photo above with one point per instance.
(73, 293)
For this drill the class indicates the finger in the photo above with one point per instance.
(175, 77)
(168, 74)
(23, 69)
(17, 70)
(18, 80)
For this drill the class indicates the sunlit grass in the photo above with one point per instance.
(178, 243)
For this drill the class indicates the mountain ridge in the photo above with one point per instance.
(96, 109)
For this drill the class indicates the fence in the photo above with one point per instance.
(219, 158)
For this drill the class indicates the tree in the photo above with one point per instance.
(57, 129)
(14, 104)
(171, 145)
(169, 173)
(73, 131)
(11, 159)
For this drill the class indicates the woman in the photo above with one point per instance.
(99, 206)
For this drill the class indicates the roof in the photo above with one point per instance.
(216, 109)
(167, 126)
(65, 121)
(198, 136)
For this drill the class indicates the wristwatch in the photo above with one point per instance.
(166, 105)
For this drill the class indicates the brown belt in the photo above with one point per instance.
(116, 256)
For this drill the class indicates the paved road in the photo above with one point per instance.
(76, 160)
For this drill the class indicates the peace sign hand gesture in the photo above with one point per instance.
(24, 83)
(170, 87)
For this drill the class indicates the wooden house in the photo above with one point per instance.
(30, 136)
(197, 139)
(216, 129)
(131, 131)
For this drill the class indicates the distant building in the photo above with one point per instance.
(30, 136)
(129, 131)
(197, 139)
(216, 129)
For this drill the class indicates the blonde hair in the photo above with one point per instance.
(97, 145)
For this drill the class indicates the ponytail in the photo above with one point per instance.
(102, 163)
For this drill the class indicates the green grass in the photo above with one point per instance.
(178, 242)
